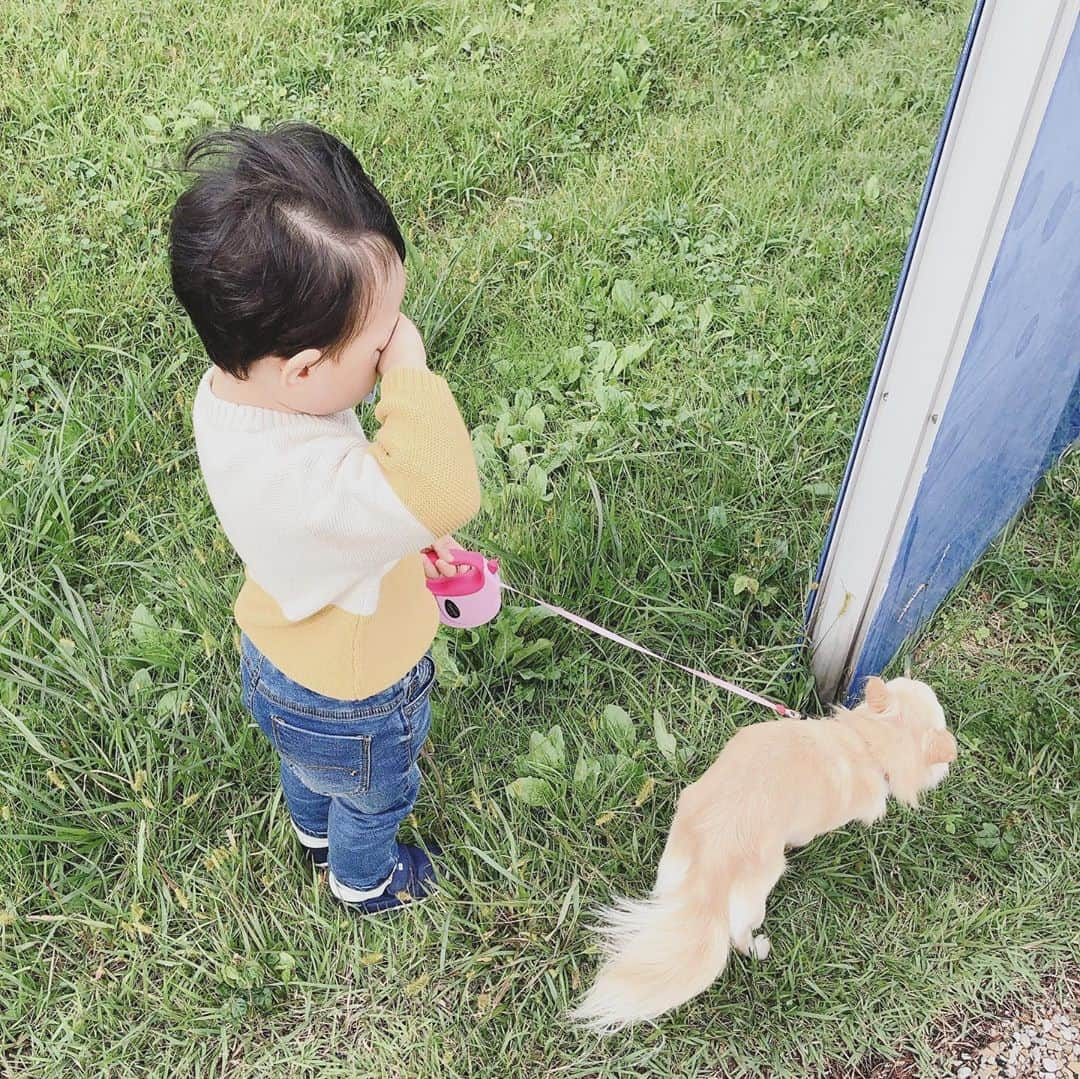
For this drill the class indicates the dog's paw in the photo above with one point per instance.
(761, 946)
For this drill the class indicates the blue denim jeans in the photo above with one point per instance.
(348, 768)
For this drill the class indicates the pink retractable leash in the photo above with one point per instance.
(472, 598)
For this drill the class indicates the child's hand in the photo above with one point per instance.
(443, 566)
(404, 349)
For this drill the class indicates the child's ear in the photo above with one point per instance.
(876, 694)
(939, 747)
(298, 367)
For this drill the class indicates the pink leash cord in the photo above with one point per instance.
(592, 627)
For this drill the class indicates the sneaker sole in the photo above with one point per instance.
(358, 911)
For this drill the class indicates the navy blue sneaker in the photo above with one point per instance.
(319, 857)
(412, 881)
(315, 848)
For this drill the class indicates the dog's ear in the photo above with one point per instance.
(876, 694)
(939, 747)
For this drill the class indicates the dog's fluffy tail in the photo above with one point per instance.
(663, 950)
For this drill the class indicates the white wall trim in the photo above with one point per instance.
(1015, 57)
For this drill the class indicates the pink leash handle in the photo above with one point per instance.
(607, 634)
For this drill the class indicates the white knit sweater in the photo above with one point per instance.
(322, 519)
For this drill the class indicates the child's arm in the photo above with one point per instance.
(423, 445)
(417, 480)
(424, 449)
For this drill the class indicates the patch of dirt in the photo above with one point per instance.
(1024, 1039)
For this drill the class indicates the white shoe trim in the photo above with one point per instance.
(312, 842)
(354, 895)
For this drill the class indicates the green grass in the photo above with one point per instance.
(732, 182)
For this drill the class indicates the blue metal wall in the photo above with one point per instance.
(1016, 401)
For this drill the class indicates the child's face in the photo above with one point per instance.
(319, 385)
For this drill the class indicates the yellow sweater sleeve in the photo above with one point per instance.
(424, 449)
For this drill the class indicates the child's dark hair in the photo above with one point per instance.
(279, 244)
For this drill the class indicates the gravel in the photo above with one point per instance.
(1025, 1038)
(1043, 1041)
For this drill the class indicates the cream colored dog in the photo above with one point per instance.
(775, 785)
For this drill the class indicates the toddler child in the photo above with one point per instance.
(291, 266)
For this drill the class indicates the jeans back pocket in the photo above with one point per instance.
(331, 764)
